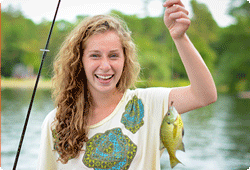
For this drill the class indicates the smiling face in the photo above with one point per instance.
(103, 62)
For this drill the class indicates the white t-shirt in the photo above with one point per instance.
(127, 139)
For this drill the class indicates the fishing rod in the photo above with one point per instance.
(45, 50)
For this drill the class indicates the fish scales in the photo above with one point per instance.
(171, 133)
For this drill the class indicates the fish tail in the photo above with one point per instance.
(174, 161)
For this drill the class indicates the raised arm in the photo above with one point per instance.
(202, 90)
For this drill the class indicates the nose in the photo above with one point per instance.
(105, 64)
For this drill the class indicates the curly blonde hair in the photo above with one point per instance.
(70, 92)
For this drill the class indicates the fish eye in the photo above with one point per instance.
(168, 113)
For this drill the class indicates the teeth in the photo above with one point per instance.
(104, 77)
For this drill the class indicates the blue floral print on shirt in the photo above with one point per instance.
(132, 118)
(111, 150)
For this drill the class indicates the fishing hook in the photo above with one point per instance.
(45, 50)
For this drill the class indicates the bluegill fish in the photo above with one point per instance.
(171, 134)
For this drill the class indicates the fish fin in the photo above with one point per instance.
(175, 123)
(174, 161)
(181, 147)
(162, 145)
(174, 131)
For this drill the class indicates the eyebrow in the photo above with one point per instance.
(94, 51)
(116, 50)
(97, 51)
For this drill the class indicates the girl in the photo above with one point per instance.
(99, 123)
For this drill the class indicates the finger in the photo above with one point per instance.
(176, 8)
(170, 3)
(178, 15)
(183, 21)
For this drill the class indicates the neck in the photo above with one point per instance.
(104, 100)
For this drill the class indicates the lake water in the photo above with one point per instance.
(216, 137)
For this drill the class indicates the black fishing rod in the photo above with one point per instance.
(45, 50)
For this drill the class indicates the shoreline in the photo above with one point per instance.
(47, 84)
(25, 83)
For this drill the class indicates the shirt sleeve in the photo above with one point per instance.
(156, 106)
(157, 98)
(47, 157)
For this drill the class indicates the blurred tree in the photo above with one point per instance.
(17, 36)
(203, 22)
(22, 40)
(152, 40)
(203, 31)
(60, 31)
(233, 48)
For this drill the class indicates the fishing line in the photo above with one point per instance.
(45, 50)
(172, 60)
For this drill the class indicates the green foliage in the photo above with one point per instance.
(153, 44)
(224, 50)
(242, 12)
(60, 31)
(233, 51)
(203, 22)
(203, 32)
(17, 33)
(22, 40)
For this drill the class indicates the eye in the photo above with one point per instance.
(94, 55)
(113, 56)
(168, 113)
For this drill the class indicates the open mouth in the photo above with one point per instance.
(104, 77)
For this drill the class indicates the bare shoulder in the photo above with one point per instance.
(185, 99)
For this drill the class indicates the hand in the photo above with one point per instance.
(176, 18)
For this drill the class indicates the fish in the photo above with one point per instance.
(171, 134)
